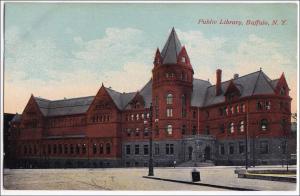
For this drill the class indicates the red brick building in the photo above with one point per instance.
(192, 121)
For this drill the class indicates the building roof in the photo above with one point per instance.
(65, 106)
(81, 104)
(199, 92)
(256, 83)
(16, 118)
(204, 94)
(171, 49)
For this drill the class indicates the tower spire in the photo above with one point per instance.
(171, 49)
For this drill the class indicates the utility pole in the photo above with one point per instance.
(150, 172)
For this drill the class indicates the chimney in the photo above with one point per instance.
(235, 76)
(218, 82)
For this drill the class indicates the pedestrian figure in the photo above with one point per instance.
(174, 163)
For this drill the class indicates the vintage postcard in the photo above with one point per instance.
(171, 97)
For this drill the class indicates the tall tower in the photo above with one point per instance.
(172, 88)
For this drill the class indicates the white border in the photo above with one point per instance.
(68, 192)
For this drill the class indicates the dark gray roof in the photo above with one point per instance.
(146, 93)
(274, 83)
(64, 106)
(250, 84)
(171, 49)
(16, 118)
(120, 99)
(65, 136)
(199, 91)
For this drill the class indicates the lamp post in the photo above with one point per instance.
(150, 169)
(246, 136)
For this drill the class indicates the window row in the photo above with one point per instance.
(57, 149)
(137, 117)
(231, 110)
(263, 105)
(239, 148)
(100, 118)
(137, 131)
(169, 149)
(66, 122)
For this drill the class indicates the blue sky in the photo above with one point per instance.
(68, 50)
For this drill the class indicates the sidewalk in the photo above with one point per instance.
(225, 176)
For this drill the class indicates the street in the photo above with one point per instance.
(132, 179)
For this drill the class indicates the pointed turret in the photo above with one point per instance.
(171, 49)
(157, 58)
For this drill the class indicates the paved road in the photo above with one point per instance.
(130, 179)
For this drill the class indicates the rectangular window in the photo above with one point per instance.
(59, 148)
(66, 149)
(156, 149)
(146, 149)
(136, 149)
(231, 148)
(49, 149)
(169, 112)
(71, 149)
(127, 149)
(169, 149)
(241, 147)
(264, 147)
(222, 149)
(54, 149)
(283, 147)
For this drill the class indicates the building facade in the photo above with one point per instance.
(191, 121)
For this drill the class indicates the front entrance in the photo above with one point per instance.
(190, 153)
(207, 153)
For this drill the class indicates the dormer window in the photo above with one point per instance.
(283, 91)
(183, 60)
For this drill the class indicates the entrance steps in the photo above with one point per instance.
(207, 163)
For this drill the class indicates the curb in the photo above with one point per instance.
(270, 178)
(202, 184)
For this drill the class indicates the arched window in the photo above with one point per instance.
(264, 124)
(169, 98)
(283, 124)
(94, 148)
(241, 126)
(230, 127)
(107, 148)
(71, 149)
(183, 129)
(84, 148)
(194, 130)
(137, 132)
(101, 148)
(183, 105)
(169, 129)
(77, 148)
(54, 149)
(25, 149)
(282, 91)
(222, 128)
(66, 149)
(207, 132)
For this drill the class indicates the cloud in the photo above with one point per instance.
(249, 55)
(42, 68)
(117, 46)
(121, 60)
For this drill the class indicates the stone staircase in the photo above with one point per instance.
(207, 163)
